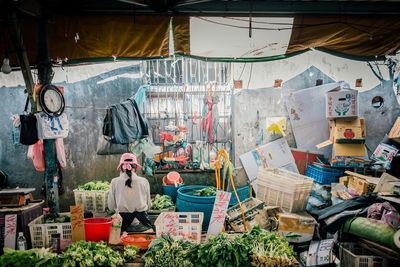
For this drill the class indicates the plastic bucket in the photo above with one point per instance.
(97, 229)
(186, 202)
(243, 193)
(173, 178)
(170, 190)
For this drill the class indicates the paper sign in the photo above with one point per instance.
(78, 227)
(171, 223)
(275, 154)
(218, 215)
(10, 232)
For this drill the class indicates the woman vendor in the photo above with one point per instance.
(130, 193)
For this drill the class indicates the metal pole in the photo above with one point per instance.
(45, 76)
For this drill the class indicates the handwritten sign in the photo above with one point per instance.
(77, 224)
(171, 223)
(218, 215)
(10, 231)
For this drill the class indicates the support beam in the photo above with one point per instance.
(17, 40)
(45, 76)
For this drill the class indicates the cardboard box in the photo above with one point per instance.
(301, 223)
(385, 153)
(320, 252)
(341, 103)
(360, 184)
(394, 133)
(349, 155)
(348, 131)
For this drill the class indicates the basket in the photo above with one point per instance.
(180, 225)
(288, 190)
(353, 255)
(324, 175)
(41, 233)
(92, 200)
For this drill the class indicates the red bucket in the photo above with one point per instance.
(97, 229)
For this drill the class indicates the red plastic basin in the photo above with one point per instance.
(97, 229)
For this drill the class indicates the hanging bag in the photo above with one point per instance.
(50, 127)
(29, 134)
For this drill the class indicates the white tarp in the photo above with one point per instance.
(229, 37)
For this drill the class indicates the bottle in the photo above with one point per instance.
(56, 243)
(21, 241)
(115, 235)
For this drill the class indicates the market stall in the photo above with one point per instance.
(176, 160)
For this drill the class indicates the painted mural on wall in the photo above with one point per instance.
(379, 106)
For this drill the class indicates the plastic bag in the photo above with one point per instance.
(36, 154)
(59, 143)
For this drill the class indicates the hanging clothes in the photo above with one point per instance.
(207, 120)
(124, 123)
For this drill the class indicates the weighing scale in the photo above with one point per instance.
(16, 197)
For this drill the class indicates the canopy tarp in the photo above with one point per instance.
(360, 36)
(103, 37)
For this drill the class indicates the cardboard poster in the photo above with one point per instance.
(218, 215)
(78, 227)
(276, 154)
(10, 231)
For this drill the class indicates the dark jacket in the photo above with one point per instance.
(124, 123)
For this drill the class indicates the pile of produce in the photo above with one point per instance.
(163, 202)
(255, 248)
(269, 249)
(91, 254)
(205, 192)
(95, 185)
(164, 251)
(29, 258)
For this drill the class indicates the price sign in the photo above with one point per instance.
(218, 215)
(78, 227)
(171, 223)
(10, 231)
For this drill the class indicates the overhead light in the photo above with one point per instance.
(6, 68)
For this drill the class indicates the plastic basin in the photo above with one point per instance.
(97, 229)
(172, 179)
(141, 241)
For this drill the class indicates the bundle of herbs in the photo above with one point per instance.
(166, 252)
(163, 202)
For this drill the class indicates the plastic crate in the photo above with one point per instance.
(92, 200)
(354, 255)
(324, 175)
(288, 190)
(41, 233)
(250, 205)
(180, 225)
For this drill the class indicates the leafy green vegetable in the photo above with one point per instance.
(130, 253)
(95, 185)
(162, 203)
(205, 192)
(56, 218)
(164, 251)
(90, 254)
(224, 250)
(29, 258)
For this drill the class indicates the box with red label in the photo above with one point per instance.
(348, 131)
(341, 103)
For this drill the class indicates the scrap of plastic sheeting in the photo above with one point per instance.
(307, 116)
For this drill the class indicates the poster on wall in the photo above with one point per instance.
(276, 154)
